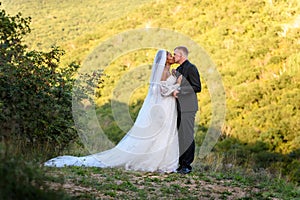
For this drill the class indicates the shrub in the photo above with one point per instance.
(35, 92)
(24, 180)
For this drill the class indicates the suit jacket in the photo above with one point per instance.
(190, 85)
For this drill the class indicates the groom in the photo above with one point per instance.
(187, 106)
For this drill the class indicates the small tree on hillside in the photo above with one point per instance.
(35, 92)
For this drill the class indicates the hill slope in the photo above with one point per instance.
(254, 44)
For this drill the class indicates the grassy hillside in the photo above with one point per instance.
(62, 22)
(254, 45)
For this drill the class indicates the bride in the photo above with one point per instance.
(152, 143)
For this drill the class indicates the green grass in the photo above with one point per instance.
(29, 178)
(62, 22)
(117, 183)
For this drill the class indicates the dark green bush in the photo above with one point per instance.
(24, 180)
(35, 92)
(259, 156)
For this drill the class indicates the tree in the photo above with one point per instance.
(35, 92)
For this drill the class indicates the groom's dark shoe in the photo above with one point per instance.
(184, 170)
(178, 169)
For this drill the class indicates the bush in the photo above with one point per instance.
(258, 156)
(35, 92)
(24, 180)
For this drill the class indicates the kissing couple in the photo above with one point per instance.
(162, 137)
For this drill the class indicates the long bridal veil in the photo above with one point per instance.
(151, 144)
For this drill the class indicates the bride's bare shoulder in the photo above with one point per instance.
(165, 75)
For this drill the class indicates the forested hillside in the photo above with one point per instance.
(254, 44)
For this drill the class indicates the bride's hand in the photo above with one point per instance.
(179, 79)
(173, 72)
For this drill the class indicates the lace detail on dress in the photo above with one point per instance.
(168, 86)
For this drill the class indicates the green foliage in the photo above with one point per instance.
(110, 127)
(259, 156)
(24, 180)
(35, 91)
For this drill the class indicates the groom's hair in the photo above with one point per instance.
(183, 50)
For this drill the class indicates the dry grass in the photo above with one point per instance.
(93, 183)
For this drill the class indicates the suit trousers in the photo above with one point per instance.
(185, 125)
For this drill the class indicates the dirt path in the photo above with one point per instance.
(117, 184)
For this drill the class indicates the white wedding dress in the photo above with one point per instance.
(152, 143)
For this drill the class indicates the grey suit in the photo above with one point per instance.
(187, 106)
